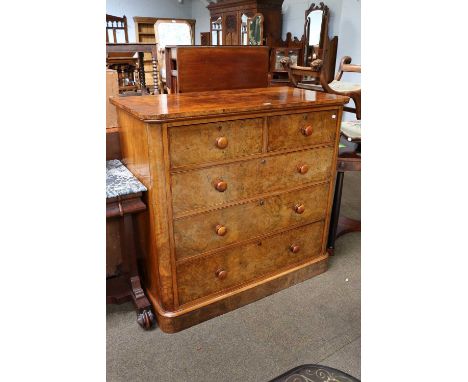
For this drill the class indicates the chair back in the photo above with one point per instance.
(114, 24)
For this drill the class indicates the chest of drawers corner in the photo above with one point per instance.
(240, 189)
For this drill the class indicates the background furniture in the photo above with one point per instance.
(205, 39)
(124, 193)
(144, 33)
(279, 75)
(206, 68)
(228, 20)
(123, 62)
(141, 49)
(239, 193)
(171, 32)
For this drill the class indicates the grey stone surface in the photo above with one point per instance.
(120, 181)
(317, 321)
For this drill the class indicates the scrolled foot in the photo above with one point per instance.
(146, 319)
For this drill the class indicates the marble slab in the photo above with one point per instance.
(120, 181)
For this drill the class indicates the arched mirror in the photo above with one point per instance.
(255, 29)
(316, 26)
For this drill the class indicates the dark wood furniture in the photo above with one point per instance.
(205, 39)
(204, 68)
(317, 44)
(124, 199)
(123, 62)
(141, 49)
(240, 187)
(294, 50)
(226, 20)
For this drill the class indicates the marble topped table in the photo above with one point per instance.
(123, 200)
(120, 181)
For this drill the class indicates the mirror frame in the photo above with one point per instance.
(323, 30)
(249, 22)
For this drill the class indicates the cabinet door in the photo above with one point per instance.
(231, 28)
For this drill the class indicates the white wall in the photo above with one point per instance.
(149, 8)
(202, 15)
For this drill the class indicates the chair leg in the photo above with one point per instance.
(335, 214)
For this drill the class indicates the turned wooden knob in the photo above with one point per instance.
(220, 185)
(302, 168)
(294, 248)
(306, 131)
(221, 142)
(221, 274)
(299, 208)
(221, 230)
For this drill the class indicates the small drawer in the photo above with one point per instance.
(208, 231)
(298, 130)
(210, 274)
(207, 142)
(214, 186)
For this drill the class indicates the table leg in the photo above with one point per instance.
(154, 61)
(335, 214)
(141, 72)
(145, 316)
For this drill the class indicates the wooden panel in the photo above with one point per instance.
(199, 143)
(171, 322)
(196, 189)
(203, 68)
(197, 234)
(285, 131)
(198, 278)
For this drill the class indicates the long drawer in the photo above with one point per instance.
(216, 185)
(210, 274)
(304, 129)
(207, 231)
(209, 142)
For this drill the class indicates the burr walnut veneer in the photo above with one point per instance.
(240, 187)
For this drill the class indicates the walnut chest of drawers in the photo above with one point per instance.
(240, 188)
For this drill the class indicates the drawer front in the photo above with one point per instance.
(203, 232)
(216, 185)
(298, 130)
(211, 274)
(208, 142)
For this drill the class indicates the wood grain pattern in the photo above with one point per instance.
(198, 143)
(171, 107)
(190, 227)
(197, 234)
(248, 178)
(198, 278)
(285, 131)
(207, 68)
(202, 310)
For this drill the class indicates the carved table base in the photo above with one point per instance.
(127, 286)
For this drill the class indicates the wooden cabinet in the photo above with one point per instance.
(240, 188)
(226, 24)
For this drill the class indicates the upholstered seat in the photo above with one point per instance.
(351, 129)
(341, 86)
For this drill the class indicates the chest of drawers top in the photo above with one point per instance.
(191, 105)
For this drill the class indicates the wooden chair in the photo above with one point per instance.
(123, 62)
(349, 158)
